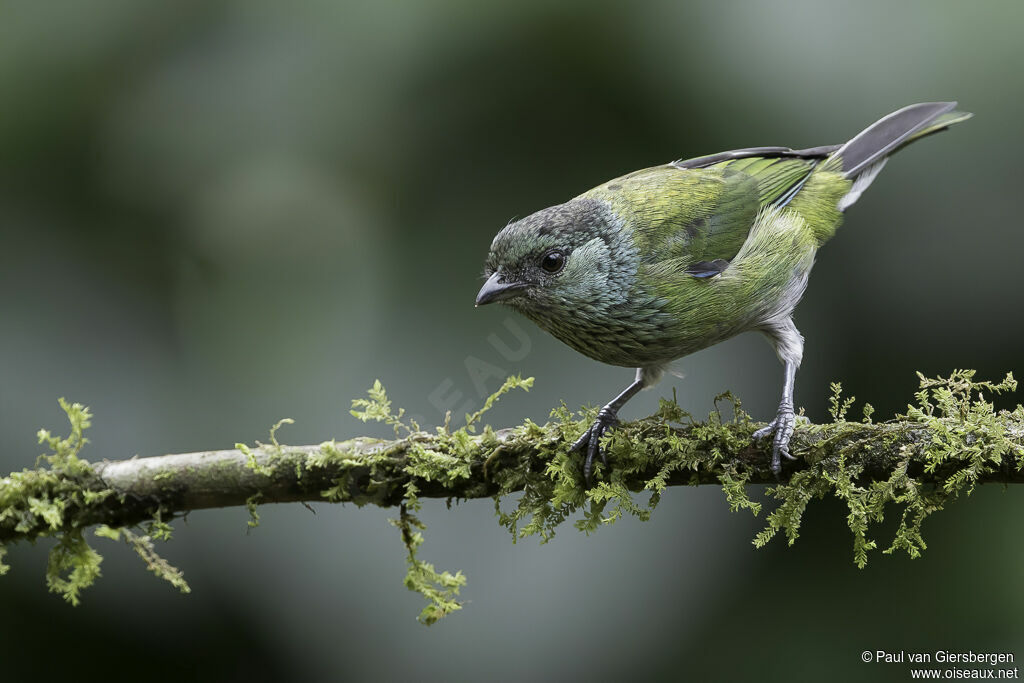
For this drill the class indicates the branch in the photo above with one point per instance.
(364, 470)
(942, 447)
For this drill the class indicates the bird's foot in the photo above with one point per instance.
(590, 441)
(782, 427)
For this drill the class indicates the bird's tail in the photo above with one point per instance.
(863, 157)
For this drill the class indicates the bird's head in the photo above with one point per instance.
(574, 258)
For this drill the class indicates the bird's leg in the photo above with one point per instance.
(782, 425)
(606, 417)
(789, 345)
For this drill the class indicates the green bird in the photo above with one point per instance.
(669, 260)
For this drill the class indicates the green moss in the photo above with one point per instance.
(439, 588)
(251, 505)
(275, 449)
(72, 566)
(968, 441)
(950, 439)
(837, 406)
(449, 460)
(144, 548)
(37, 503)
(654, 445)
(41, 501)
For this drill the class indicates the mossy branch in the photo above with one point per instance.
(949, 441)
(371, 471)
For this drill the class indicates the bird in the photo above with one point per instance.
(665, 261)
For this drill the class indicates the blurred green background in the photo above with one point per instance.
(218, 214)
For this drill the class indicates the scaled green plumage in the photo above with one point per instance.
(665, 261)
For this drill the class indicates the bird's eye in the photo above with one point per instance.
(553, 261)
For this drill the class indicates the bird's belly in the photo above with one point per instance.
(632, 341)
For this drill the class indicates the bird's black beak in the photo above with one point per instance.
(495, 289)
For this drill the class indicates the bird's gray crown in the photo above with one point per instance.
(564, 226)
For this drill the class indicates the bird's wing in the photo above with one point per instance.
(695, 215)
(757, 152)
(776, 177)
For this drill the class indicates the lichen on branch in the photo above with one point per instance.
(950, 439)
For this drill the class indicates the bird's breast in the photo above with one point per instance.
(634, 333)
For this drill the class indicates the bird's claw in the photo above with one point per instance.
(782, 427)
(590, 442)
